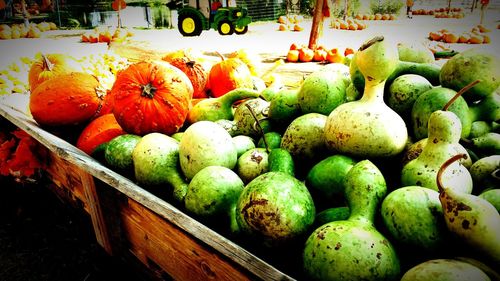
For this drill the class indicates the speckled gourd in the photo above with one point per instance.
(354, 249)
(368, 127)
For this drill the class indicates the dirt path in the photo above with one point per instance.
(262, 37)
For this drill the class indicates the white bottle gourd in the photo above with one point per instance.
(368, 127)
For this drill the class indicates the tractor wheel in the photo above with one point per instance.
(189, 25)
(225, 28)
(240, 31)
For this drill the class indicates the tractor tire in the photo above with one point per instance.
(225, 27)
(241, 31)
(189, 25)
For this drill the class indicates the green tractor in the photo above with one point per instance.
(194, 17)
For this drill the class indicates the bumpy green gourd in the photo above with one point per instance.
(353, 249)
(444, 133)
(368, 127)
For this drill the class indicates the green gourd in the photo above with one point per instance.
(250, 118)
(205, 144)
(274, 209)
(444, 129)
(474, 220)
(243, 143)
(354, 249)
(368, 127)
(213, 109)
(212, 192)
(322, 91)
(444, 270)
(483, 173)
(304, 137)
(414, 218)
(252, 164)
(156, 163)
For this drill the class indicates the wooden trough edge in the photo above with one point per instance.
(256, 266)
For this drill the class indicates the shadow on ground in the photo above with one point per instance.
(41, 238)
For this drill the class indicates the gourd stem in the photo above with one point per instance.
(148, 90)
(261, 131)
(46, 63)
(444, 166)
(457, 95)
(371, 42)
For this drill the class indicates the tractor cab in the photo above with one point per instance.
(198, 15)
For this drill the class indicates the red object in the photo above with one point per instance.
(485, 2)
(97, 132)
(21, 156)
(215, 6)
(118, 5)
(151, 97)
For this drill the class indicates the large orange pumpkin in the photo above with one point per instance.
(227, 75)
(49, 66)
(100, 130)
(151, 97)
(196, 73)
(67, 99)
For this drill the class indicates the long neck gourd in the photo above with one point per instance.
(444, 131)
(471, 218)
(353, 249)
(368, 127)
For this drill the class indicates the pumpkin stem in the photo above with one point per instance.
(220, 55)
(148, 90)
(46, 63)
(190, 63)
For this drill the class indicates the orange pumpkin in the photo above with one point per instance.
(319, 54)
(196, 74)
(151, 97)
(67, 99)
(450, 38)
(292, 55)
(100, 130)
(227, 75)
(48, 66)
(306, 55)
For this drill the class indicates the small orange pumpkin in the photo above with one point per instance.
(100, 130)
(48, 66)
(151, 97)
(227, 75)
(306, 55)
(292, 55)
(196, 74)
(67, 99)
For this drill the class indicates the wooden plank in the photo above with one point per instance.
(80, 186)
(95, 210)
(70, 153)
(155, 240)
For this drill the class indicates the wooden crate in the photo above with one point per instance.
(129, 221)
